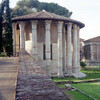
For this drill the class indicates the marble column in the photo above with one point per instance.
(64, 52)
(69, 50)
(92, 52)
(14, 38)
(97, 54)
(78, 49)
(22, 35)
(34, 39)
(48, 46)
(75, 52)
(60, 69)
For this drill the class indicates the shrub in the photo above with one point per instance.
(2, 54)
(82, 64)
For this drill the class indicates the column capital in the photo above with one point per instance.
(48, 21)
(13, 24)
(34, 21)
(78, 27)
(47, 24)
(60, 22)
(69, 23)
(75, 26)
(21, 23)
(34, 24)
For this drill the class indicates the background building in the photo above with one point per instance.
(92, 50)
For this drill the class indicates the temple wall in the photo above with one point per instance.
(52, 41)
(41, 43)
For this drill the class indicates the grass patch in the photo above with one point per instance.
(75, 95)
(2, 54)
(61, 85)
(90, 75)
(92, 68)
(92, 89)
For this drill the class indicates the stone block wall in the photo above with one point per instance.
(33, 83)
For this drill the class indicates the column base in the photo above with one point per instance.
(76, 75)
(68, 75)
(60, 75)
(48, 70)
(79, 75)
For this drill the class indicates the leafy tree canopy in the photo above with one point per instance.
(24, 7)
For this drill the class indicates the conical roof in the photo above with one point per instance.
(44, 15)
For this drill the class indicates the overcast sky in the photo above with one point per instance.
(86, 11)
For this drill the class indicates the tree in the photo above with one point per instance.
(2, 5)
(18, 11)
(8, 28)
(54, 8)
(25, 7)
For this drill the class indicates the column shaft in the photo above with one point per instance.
(34, 39)
(60, 69)
(22, 35)
(64, 53)
(78, 50)
(75, 54)
(14, 38)
(92, 52)
(69, 50)
(48, 47)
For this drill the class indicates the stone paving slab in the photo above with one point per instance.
(8, 77)
(33, 83)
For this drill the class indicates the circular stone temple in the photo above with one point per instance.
(52, 40)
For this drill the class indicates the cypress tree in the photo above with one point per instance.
(8, 28)
(2, 5)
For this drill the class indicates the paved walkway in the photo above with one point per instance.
(8, 78)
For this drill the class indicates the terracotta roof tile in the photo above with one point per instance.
(95, 39)
(46, 15)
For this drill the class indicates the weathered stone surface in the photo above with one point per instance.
(8, 77)
(68, 86)
(33, 83)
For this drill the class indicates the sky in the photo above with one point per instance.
(86, 11)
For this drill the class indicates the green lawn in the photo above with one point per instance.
(75, 95)
(92, 89)
(2, 54)
(90, 75)
(92, 68)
